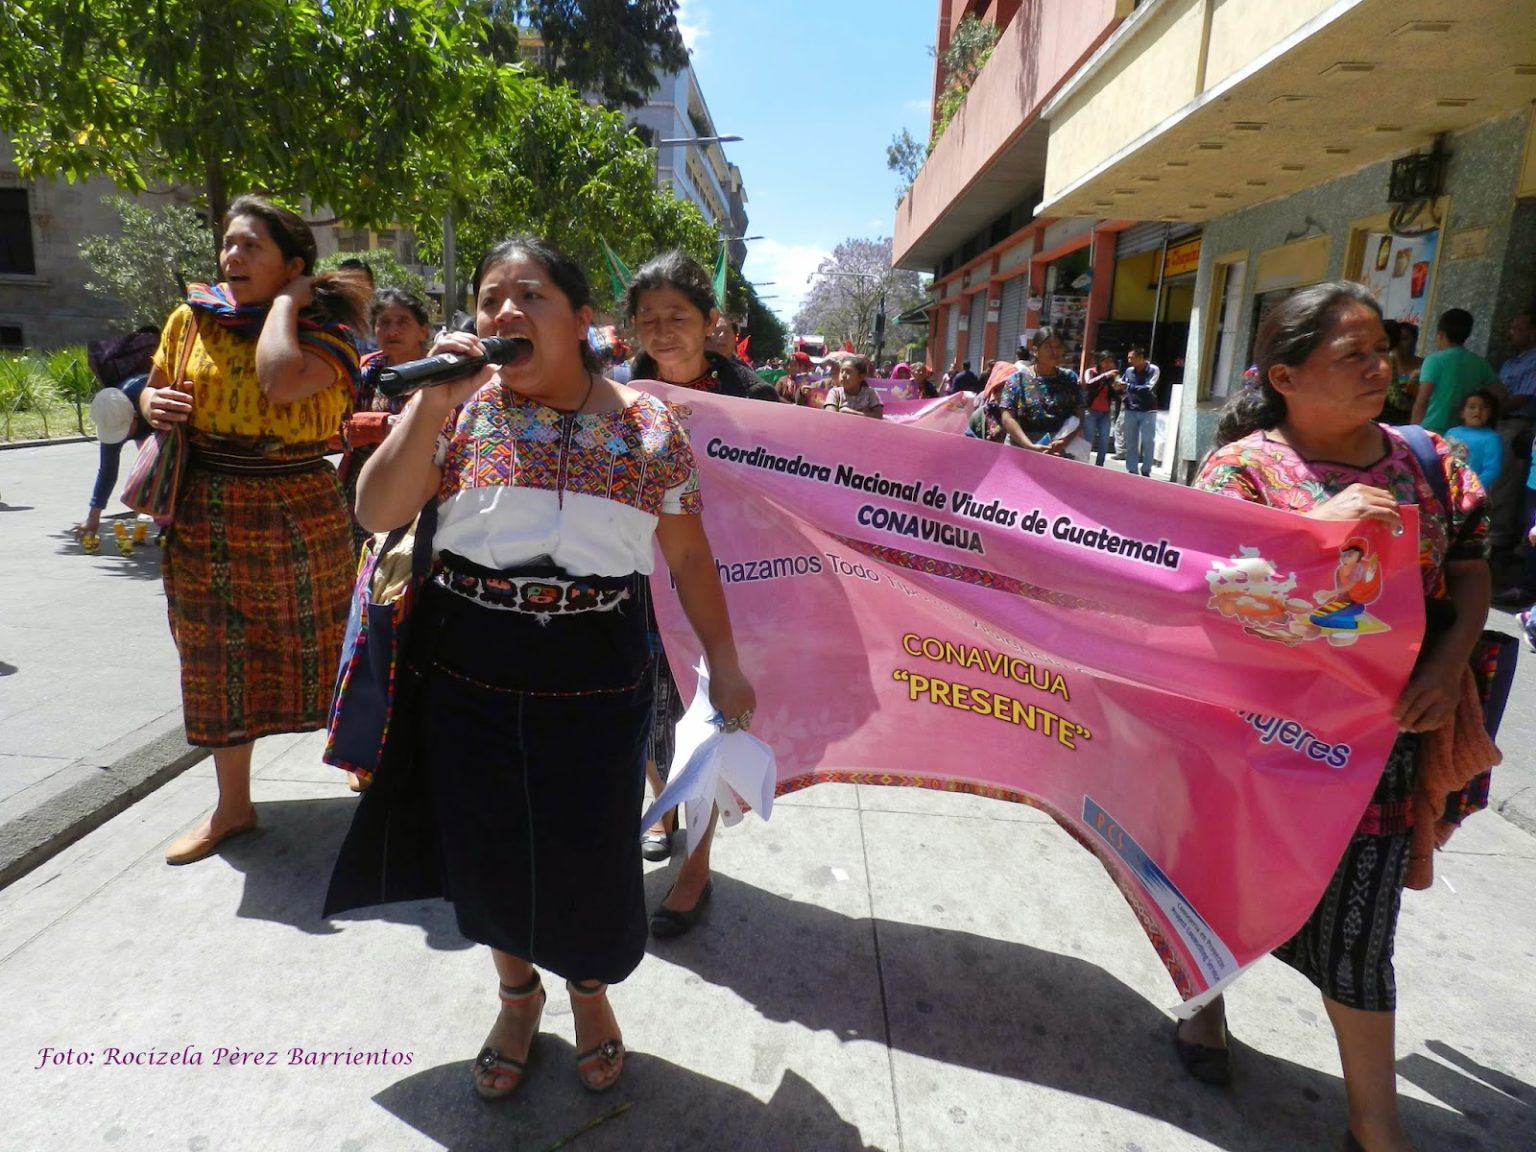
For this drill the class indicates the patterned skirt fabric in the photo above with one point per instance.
(258, 578)
(1345, 947)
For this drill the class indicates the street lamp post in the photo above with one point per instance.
(685, 140)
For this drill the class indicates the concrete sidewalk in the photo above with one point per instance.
(90, 692)
(881, 968)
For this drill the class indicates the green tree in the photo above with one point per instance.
(770, 338)
(575, 175)
(144, 264)
(904, 156)
(615, 48)
(769, 335)
(387, 270)
(961, 62)
(356, 105)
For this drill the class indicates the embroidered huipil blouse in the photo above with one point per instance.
(522, 482)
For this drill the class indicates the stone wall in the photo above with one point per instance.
(1480, 183)
(51, 306)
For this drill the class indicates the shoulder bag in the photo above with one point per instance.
(390, 577)
(1493, 659)
(155, 479)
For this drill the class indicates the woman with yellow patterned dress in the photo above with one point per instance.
(259, 562)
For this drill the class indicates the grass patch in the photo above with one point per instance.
(60, 423)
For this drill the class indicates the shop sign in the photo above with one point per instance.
(1182, 258)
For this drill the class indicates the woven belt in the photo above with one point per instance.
(541, 596)
(250, 464)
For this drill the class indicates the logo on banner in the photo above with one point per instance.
(1214, 958)
(1247, 588)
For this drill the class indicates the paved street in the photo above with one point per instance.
(881, 968)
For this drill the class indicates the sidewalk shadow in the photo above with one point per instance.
(143, 563)
(287, 865)
(672, 1108)
(1039, 1017)
(1485, 1096)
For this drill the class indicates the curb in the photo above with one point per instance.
(102, 791)
(7, 445)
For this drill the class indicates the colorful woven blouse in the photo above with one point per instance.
(522, 482)
(227, 400)
(1041, 404)
(1266, 471)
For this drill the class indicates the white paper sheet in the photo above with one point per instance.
(714, 768)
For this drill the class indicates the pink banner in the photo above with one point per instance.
(1196, 688)
(943, 414)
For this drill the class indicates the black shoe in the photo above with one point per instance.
(1207, 1065)
(656, 846)
(669, 922)
(1516, 597)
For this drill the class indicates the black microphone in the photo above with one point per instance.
(403, 379)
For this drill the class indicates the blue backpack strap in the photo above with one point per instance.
(1423, 449)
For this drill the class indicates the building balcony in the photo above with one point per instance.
(992, 156)
(1197, 108)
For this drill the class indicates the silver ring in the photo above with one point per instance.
(739, 723)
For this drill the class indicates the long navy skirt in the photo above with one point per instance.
(518, 793)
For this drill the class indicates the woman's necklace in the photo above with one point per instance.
(567, 429)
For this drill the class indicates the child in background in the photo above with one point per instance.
(852, 394)
(1476, 438)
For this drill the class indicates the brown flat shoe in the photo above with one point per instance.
(194, 847)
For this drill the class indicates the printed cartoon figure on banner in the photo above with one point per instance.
(1247, 588)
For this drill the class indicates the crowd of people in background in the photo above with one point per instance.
(525, 465)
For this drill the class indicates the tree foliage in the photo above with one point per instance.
(575, 175)
(847, 291)
(769, 335)
(614, 48)
(350, 104)
(144, 264)
(387, 270)
(904, 156)
(960, 63)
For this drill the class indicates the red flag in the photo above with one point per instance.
(848, 346)
(741, 349)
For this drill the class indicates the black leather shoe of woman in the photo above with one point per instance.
(669, 922)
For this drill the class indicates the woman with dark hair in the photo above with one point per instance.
(1305, 439)
(671, 307)
(1040, 408)
(529, 671)
(259, 562)
(1397, 408)
(402, 326)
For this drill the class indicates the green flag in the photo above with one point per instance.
(619, 274)
(720, 266)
